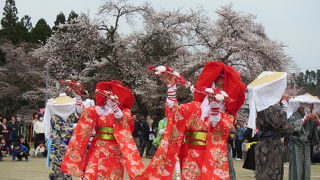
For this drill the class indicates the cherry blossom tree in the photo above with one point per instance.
(235, 39)
(21, 80)
(95, 50)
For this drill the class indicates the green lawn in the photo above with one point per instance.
(35, 169)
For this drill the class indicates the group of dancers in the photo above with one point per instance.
(95, 142)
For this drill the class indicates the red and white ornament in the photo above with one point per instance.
(159, 70)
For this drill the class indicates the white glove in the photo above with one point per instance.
(171, 95)
(162, 131)
(74, 125)
(79, 103)
(116, 110)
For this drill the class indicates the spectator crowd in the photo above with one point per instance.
(12, 141)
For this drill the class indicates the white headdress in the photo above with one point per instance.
(265, 91)
(296, 102)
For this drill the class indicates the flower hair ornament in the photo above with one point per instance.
(213, 93)
(163, 70)
(75, 86)
(108, 95)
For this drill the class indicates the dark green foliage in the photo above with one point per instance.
(10, 18)
(72, 16)
(60, 19)
(12, 29)
(9, 22)
(24, 27)
(26, 22)
(308, 81)
(41, 32)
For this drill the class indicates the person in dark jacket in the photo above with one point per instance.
(4, 128)
(152, 136)
(239, 140)
(20, 151)
(13, 127)
(250, 161)
(137, 132)
(148, 135)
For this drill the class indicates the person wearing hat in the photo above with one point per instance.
(60, 118)
(198, 131)
(304, 121)
(113, 146)
(266, 114)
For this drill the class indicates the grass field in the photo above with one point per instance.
(35, 169)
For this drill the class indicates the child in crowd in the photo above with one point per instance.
(19, 151)
(41, 150)
(23, 141)
(4, 148)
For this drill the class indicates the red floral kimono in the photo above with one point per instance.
(204, 153)
(111, 149)
(204, 150)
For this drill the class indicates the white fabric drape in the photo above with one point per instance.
(61, 110)
(296, 102)
(88, 103)
(265, 95)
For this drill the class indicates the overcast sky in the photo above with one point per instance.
(293, 22)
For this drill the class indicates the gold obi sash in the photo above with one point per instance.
(197, 138)
(105, 133)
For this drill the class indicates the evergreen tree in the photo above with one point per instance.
(41, 32)
(318, 76)
(60, 19)
(9, 22)
(24, 27)
(10, 17)
(307, 77)
(72, 16)
(26, 22)
(309, 81)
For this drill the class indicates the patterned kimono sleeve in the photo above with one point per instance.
(296, 121)
(167, 111)
(163, 162)
(74, 160)
(215, 163)
(225, 123)
(276, 118)
(129, 150)
(185, 110)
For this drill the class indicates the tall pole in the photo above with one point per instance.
(46, 78)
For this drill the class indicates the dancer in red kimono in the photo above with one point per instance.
(202, 125)
(113, 146)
